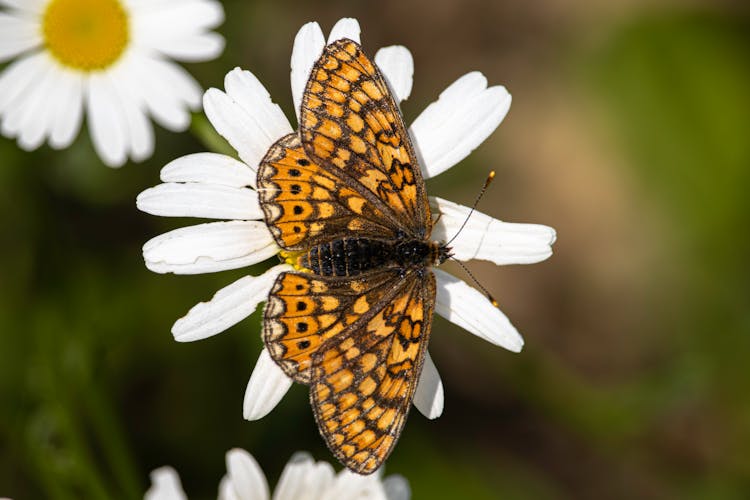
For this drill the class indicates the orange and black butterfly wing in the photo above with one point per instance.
(305, 204)
(305, 310)
(363, 380)
(350, 123)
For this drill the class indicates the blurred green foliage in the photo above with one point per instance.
(95, 393)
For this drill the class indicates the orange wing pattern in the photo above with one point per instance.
(350, 122)
(305, 204)
(360, 345)
(365, 379)
(304, 310)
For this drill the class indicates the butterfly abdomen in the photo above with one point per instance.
(353, 256)
(346, 256)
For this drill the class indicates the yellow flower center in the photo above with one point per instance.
(87, 35)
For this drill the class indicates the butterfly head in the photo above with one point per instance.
(440, 253)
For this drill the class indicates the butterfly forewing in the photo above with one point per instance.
(305, 204)
(350, 122)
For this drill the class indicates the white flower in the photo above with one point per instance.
(218, 187)
(109, 57)
(302, 479)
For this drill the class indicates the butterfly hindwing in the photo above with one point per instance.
(364, 379)
(350, 121)
(304, 310)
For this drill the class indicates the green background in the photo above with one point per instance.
(629, 134)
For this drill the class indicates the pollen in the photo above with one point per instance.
(292, 258)
(87, 35)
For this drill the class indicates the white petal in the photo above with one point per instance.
(211, 201)
(486, 238)
(270, 123)
(165, 485)
(179, 29)
(468, 308)
(36, 116)
(245, 132)
(308, 46)
(345, 27)
(229, 306)
(18, 77)
(304, 478)
(167, 90)
(267, 386)
(70, 111)
(396, 487)
(397, 66)
(140, 131)
(350, 485)
(195, 48)
(428, 397)
(17, 35)
(106, 122)
(26, 6)
(245, 476)
(209, 168)
(206, 248)
(465, 114)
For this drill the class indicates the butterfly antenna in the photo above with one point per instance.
(474, 206)
(476, 281)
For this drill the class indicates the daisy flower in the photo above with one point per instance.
(302, 478)
(214, 186)
(111, 58)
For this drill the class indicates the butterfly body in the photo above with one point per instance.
(345, 196)
(352, 256)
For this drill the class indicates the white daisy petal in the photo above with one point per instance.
(253, 98)
(107, 124)
(397, 66)
(69, 113)
(140, 131)
(211, 247)
(209, 168)
(464, 115)
(308, 45)
(167, 90)
(17, 35)
(346, 27)
(195, 48)
(486, 238)
(173, 28)
(428, 397)
(18, 77)
(26, 6)
(210, 201)
(245, 476)
(229, 306)
(304, 478)
(267, 386)
(351, 485)
(36, 116)
(468, 308)
(245, 132)
(165, 485)
(396, 488)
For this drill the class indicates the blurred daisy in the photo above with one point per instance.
(109, 57)
(302, 479)
(215, 186)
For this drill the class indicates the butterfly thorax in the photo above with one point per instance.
(353, 256)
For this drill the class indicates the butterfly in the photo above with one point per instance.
(345, 199)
